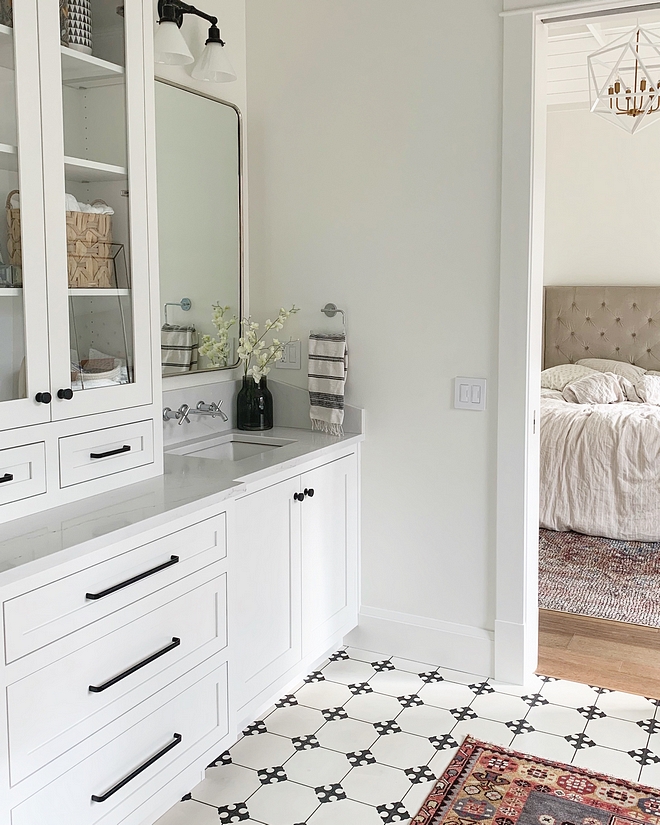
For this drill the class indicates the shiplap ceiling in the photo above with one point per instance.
(569, 45)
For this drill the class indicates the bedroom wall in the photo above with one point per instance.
(373, 186)
(602, 209)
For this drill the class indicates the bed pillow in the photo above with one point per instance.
(556, 378)
(647, 389)
(597, 388)
(624, 368)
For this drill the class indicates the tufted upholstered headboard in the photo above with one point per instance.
(618, 322)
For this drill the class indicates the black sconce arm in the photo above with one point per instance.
(181, 8)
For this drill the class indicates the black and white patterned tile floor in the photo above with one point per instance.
(361, 741)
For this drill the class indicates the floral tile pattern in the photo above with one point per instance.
(365, 736)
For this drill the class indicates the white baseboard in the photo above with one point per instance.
(455, 646)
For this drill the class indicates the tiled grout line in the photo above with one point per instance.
(476, 694)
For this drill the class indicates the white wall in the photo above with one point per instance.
(602, 207)
(374, 149)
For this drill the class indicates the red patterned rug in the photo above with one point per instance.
(494, 786)
(605, 578)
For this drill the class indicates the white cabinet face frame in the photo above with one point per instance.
(121, 396)
(26, 411)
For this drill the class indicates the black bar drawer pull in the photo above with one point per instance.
(143, 767)
(100, 688)
(125, 449)
(6, 477)
(139, 577)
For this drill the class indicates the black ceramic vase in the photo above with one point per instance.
(254, 405)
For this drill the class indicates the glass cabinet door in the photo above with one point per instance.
(95, 182)
(24, 373)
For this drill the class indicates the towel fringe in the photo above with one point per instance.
(326, 427)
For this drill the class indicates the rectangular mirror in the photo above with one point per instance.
(199, 218)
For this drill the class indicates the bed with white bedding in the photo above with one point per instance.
(600, 422)
(600, 468)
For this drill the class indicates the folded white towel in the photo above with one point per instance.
(71, 203)
(328, 365)
(96, 208)
(179, 346)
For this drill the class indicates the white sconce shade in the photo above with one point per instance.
(170, 47)
(213, 64)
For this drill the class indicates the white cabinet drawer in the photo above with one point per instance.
(80, 693)
(22, 472)
(41, 616)
(187, 724)
(103, 453)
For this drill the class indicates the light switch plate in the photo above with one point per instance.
(290, 357)
(469, 393)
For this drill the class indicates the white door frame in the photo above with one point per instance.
(520, 323)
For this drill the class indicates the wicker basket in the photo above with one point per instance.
(13, 231)
(6, 16)
(89, 250)
(88, 244)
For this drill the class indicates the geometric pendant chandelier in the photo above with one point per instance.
(624, 80)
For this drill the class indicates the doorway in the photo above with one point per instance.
(525, 124)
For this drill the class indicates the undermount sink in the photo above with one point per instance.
(230, 447)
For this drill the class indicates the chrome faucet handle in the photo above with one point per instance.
(221, 412)
(179, 415)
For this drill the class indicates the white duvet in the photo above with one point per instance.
(600, 468)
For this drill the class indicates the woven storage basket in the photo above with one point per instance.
(13, 231)
(6, 16)
(88, 244)
(89, 250)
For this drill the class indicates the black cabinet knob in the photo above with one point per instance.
(43, 398)
(65, 395)
(298, 496)
(309, 492)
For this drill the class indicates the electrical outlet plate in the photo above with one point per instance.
(470, 393)
(291, 357)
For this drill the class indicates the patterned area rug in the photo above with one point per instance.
(606, 578)
(495, 786)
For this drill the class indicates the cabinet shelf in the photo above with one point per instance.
(91, 171)
(77, 169)
(99, 293)
(17, 292)
(86, 71)
(78, 69)
(6, 47)
(8, 158)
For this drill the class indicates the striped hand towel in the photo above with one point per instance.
(179, 347)
(328, 365)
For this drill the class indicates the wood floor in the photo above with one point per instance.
(600, 652)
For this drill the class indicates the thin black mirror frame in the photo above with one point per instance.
(241, 217)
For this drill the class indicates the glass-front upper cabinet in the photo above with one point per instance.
(95, 175)
(24, 376)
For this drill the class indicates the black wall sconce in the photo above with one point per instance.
(171, 49)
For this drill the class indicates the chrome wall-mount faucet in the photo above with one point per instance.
(185, 410)
(212, 409)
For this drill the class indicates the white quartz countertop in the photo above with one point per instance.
(34, 543)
